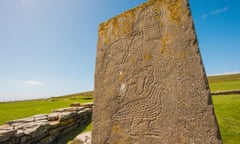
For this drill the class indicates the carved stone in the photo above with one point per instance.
(150, 83)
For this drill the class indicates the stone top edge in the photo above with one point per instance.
(149, 2)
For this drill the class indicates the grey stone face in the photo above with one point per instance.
(150, 83)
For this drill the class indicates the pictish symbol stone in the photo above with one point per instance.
(150, 83)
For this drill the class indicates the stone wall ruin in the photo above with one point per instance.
(45, 128)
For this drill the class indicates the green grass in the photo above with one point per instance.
(22, 109)
(224, 82)
(228, 115)
(227, 107)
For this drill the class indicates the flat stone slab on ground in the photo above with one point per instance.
(84, 138)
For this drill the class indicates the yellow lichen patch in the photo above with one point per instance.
(165, 52)
(182, 55)
(127, 22)
(121, 76)
(165, 49)
(162, 50)
(115, 27)
(102, 29)
(133, 60)
(176, 10)
(165, 42)
(106, 40)
(151, 2)
(126, 28)
(157, 9)
(129, 14)
(147, 56)
(102, 33)
(116, 129)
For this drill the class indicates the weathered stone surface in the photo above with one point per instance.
(6, 132)
(36, 129)
(40, 117)
(75, 104)
(24, 120)
(53, 116)
(66, 115)
(61, 110)
(19, 133)
(77, 108)
(54, 124)
(44, 128)
(6, 129)
(84, 138)
(150, 83)
(88, 105)
(68, 109)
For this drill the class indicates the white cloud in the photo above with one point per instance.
(219, 11)
(214, 12)
(33, 82)
(204, 16)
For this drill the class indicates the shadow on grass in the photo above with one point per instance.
(66, 139)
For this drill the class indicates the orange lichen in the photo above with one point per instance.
(128, 18)
(162, 50)
(176, 10)
(121, 77)
(147, 56)
(165, 42)
(115, 27)
(182, 55)
(126, 28)
(116, 129)
(102, 33)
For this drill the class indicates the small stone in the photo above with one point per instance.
(40, 117)
(7, 130)
(53, 116)
(88, 105)
(68, 109)
(60, 110)
(66, 115)
(19, 133)
(75, 104)
(83, 138)
(24, 120)
(4, 138)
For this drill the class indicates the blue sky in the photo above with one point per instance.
(48, 47)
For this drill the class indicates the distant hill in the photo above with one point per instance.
(75, 95)
(214, 81)
(225, 77)
(224, 82)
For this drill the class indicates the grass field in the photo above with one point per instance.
(226, 107)
(22, 109)
(224, 82)
(228, 115)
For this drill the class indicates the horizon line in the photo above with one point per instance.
(225, 73)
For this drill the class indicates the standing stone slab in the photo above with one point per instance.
(150, 83)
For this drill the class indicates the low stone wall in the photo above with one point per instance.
(226, 92)
(45, 128)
